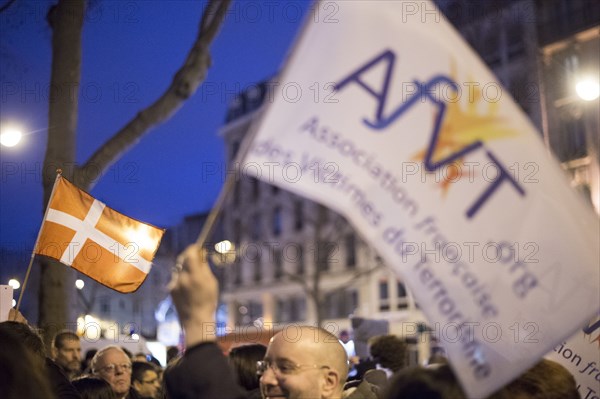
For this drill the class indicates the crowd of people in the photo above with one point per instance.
(306, 362)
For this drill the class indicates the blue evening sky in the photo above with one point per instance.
(131, 49)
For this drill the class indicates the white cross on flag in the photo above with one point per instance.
(82, 232)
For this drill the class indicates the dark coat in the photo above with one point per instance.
(203, 372)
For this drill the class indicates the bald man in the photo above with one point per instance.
(300, 363)
(303, 362)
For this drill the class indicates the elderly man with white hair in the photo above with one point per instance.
(114, 366)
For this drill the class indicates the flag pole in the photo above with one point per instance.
(230, 179)
(230, 182)
(58, 176)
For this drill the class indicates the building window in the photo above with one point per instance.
(298, 309)
(298, 215)
(572, 138)
(300, 264)
(340, 304)
(491, 48)
(281, 312)
(249, 312)
(257, 277)
(515, 37)
(256, 227)
(350, 251)
(290, 309)
(237, 274)
(255, 188)
(277, 264)
(325, 252)
(401, 296)
(104, 305)
(384, 296)
(524, 92)
(571, 64)
(277, 221)
(136, 307)
(255, 310)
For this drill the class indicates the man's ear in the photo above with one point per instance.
(136, 385)
(331, 383)
(53, 351)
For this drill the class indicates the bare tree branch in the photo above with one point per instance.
(300, 280)
(355, 277)
(7, 5)
(185, 83)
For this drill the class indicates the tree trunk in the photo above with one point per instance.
(66, 21)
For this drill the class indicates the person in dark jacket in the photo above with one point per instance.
(243, 359)
(59, 383)
(22, 374)
(203, 371)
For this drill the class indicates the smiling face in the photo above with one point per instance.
(114, 366)
(305, 366)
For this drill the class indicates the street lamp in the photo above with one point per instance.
(14, 283)
(10, 137)
(225, 253)
(588, 89)
(223, 247)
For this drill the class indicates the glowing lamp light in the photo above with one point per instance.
(14, 303)
(588, 89)
(223, 247)
(14, 283)
(80, 326)
(10, 137)
(135, 337)
(79, 284)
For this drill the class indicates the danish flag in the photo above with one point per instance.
(82, 232)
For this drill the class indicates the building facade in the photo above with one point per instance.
(297, 261)
(300, 263)
(540, 50)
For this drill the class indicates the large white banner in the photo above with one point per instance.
(580, 354)
(390, 118)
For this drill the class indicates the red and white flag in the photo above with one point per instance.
(82, 232)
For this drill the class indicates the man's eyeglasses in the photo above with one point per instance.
(284, 367)
(112, 368)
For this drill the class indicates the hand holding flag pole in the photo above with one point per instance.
(58, 174)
